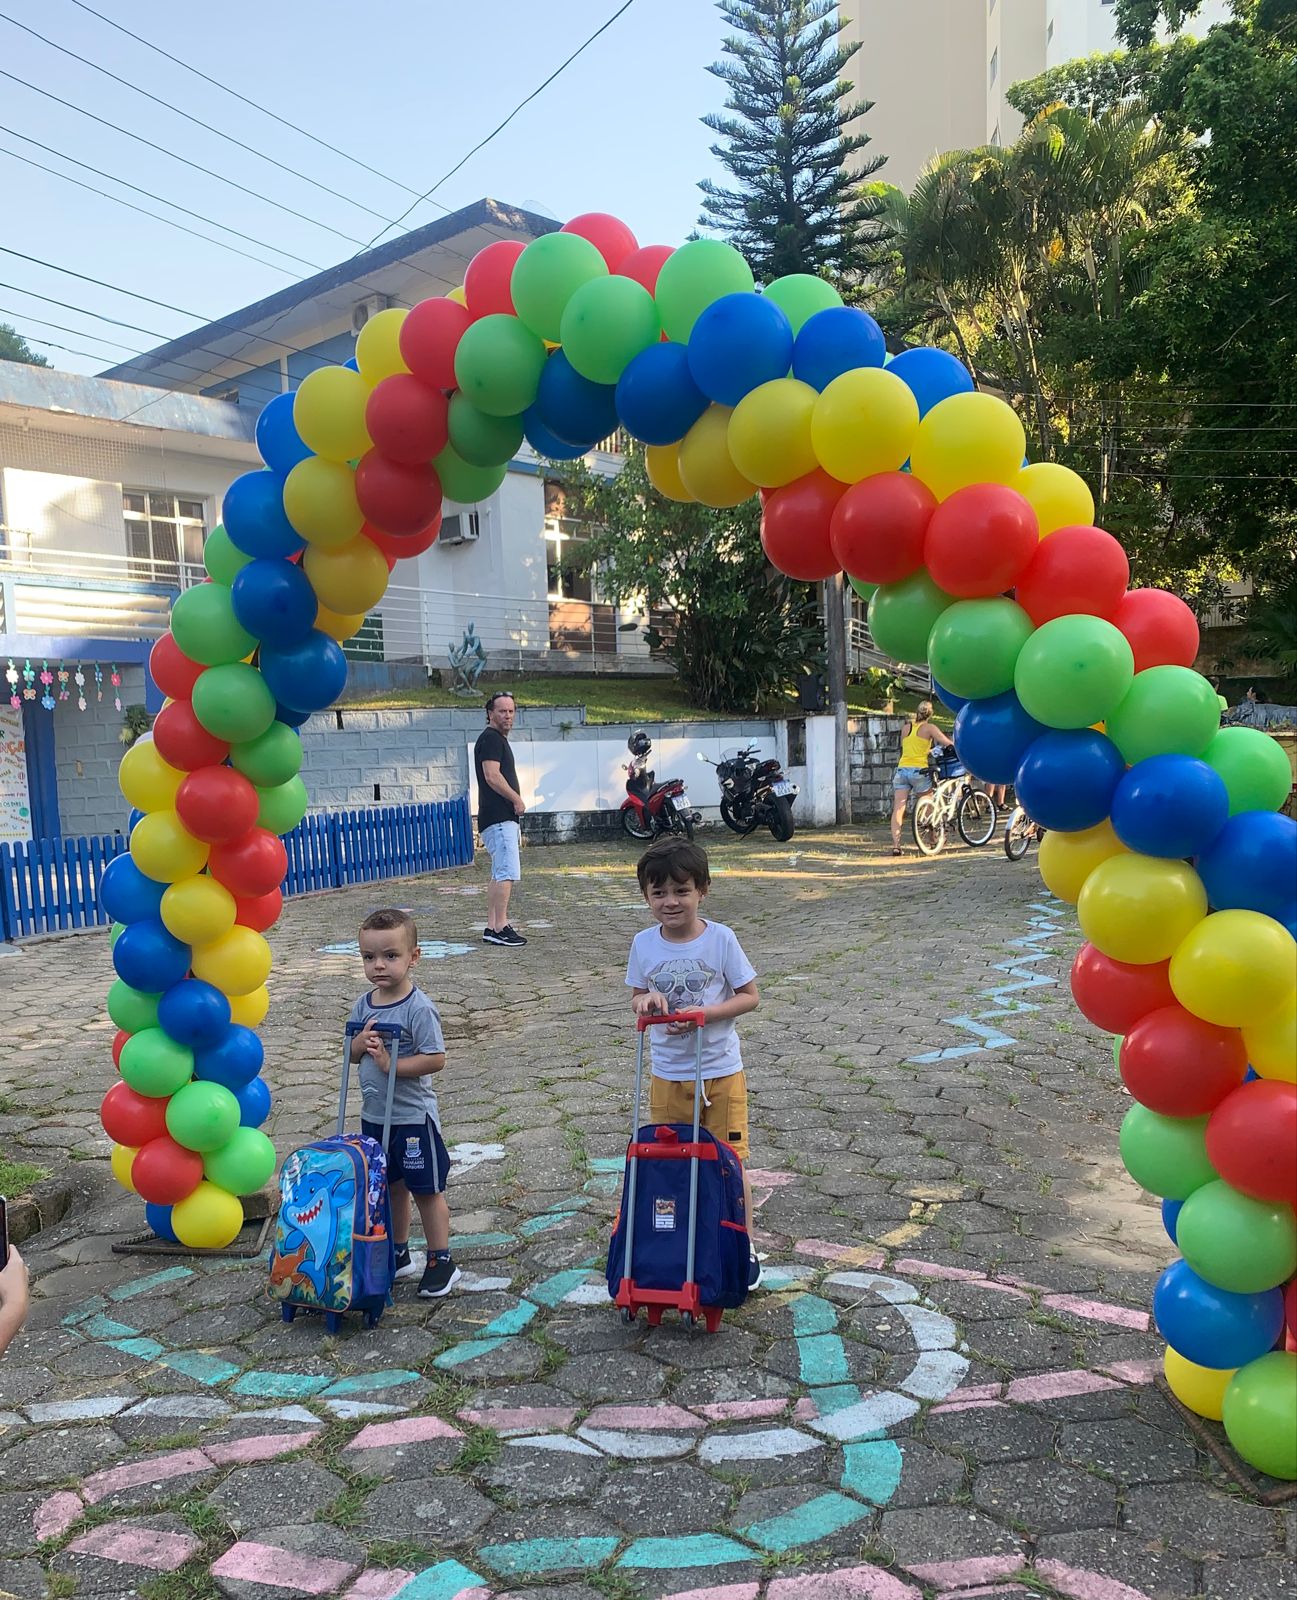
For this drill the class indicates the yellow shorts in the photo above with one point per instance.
(726, 1116)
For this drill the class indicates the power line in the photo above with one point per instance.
(59, 327)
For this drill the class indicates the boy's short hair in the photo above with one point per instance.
(673, 861)
(385, 921)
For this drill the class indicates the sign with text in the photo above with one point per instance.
(15, 801)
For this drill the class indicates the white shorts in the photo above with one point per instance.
(500, 842)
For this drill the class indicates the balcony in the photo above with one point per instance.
(71, 595)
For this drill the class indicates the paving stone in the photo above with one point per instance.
(194, 1328)
(1267, 1578)
(24, 1580)
(667, 1498)
(943, 1533)
(516, 1358)
(530, 1476)
(442, 1510)
(1199, 1521)
(1130, 1558)
(19, 1384)
(17, 1532)
(94, 1574)
(96, 1361)
(561, 1527)
(314, 1542)
(257, 1497)
(57, 1453)
(928, 1477)
(717, 1387)
(611, 1375)
(1126, 1450)
(994, 1434)
(1045, 1496)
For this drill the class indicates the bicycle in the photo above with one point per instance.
(951, 799)
(1019, 834)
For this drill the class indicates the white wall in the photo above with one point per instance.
(1088, 27)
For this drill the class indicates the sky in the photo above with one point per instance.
(408, 87)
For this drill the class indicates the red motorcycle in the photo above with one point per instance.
(651, 809)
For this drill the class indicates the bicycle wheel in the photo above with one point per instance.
(1017, 836)
(975, 818)
(928, 825)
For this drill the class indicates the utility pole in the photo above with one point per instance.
(835, 650)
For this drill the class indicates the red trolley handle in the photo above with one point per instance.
(651, 1019)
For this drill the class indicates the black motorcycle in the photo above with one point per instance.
(754, 792)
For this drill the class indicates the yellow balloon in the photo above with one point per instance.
(329, 413)
(1060, 497)
(1272, 1043)
(458, 296)
(706, 467)
(338, 626)
(249, 1010)
(968, 438)
(1201, 1389)
(121, 1158)
(351, 578)
(378, 349)
(1140, 908)
(866, 421)
(207, 1219)
(198, 910)
(662, 463)
(770, 432)
(164, 849)
(320, 502)
(237, 963)
(1068, 859)
(1235, 968)
(148, 782)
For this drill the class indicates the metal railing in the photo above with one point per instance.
(864, 655)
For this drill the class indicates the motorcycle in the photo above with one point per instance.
(651, 809)
(754, 792)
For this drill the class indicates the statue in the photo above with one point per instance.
(467, 662)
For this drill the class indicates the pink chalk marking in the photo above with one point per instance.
(1136, 1372)
(282, 1569)
(741, 1411)
(1022, 1283)
(522, 1419)
(137, 1547)
(257, 1447)
(375, 1585)
(848, 1583)
(823, 1249)
(662, 1418)
(977, 1391)
(969, 1405)
(409, 1430)
(805, 1410)
(931, 1269)
(1099, 1311)
(56, 1515)
(759, 1178)
(978, 1593)
(1057, 1386)
(963, 1574)
(722, 1591)
(1086, 1585)
(1003, 1288)
(174, 1464)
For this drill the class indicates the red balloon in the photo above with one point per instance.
(795, 527)
(1114, 995)
(1074, 569)
(1290, 1309)
(486, 283)
(407, 420)
(182, 740)
(130, 1118)
(401, 546)
(119, 1043)
(644, 265)
(429, 338)
(164, 1172)
(250, 866)
(395, 497)
(609, 235)
(980, 540)
(259, 911)
(172, 670)
(1179, 1065)
(1252, 1140)
(878, 527)
(1160, 628)
(217, 803)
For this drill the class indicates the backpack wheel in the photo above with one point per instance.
(627, 1315)
(287, 1312)
(687, 1317)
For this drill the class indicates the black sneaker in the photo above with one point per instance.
(508, 935)
(755, 1274)
(405, 1267)
(439, 1277)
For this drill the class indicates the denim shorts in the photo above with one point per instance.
(416, 1155)
(500, 842)
(911, 780)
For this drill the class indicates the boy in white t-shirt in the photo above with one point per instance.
(687, 964)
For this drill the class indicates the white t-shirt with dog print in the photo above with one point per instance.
(702, 972)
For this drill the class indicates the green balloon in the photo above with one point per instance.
(281, 807)
(545, 277)
(272, 758)
(606, 324)
(462, 481)
(202, 1116)
(864, 590)
(233, 702)
(799, 295)
(205, 627)
(115, 933)
(243, 1164)
(1116, 1050)
(1165, 1155)
(974, 645)
(1073, 671)
(498, 363)
(901, 615)
(222, 557)
(155, 1065)
(1166, 711)
(479, 439)
(694, 276)
(1235, 1242)
(1255, 770)
(131, 1009)
(1260, 1414)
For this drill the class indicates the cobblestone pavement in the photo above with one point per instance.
(945, 1390)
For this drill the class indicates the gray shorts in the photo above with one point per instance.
(500, 841)
(911, 780)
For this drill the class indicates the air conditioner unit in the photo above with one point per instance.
(370, 306)
(459, 528)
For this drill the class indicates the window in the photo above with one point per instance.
(990, 7)
(995, 136)
(566, 581)
(1049, 32)
(164, 535)
(995, 66)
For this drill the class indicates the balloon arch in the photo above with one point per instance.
(1163, 828)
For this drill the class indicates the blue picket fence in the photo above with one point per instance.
(52, 885)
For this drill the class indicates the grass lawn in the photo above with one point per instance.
(18, 1176)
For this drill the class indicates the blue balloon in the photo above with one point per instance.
(254, 1103)
(834, 341)
(952, 702)
(233, 1061)
(571, 407)
(194, 1013)
(352, 364)
(1171, 1217)
(274, 601)
(993, 735)
(277, 436)
(931, 375)
(1067, 778)
(148, 957)
(308, 675)
(126, 895)
(545, 443)
(253, 514)
(291, 718)
(1251, 865)
(657, 399)
(1170, 806)
(739, 341)
(1211, 1326)
(159, 1219)
(136, 815)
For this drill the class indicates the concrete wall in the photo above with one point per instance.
(87, 752)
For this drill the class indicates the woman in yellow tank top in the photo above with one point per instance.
(918, 735)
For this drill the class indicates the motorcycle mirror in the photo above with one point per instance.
(702, 757)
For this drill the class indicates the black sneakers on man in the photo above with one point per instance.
(508, 935)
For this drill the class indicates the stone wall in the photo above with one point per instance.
(875, 744)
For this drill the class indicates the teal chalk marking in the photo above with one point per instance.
(280, 1385)
(442, 1582)
(478, 1241)
(100, 1327)
(823, 1360)
(835, 1398)
(812, 1315)
(155, 1280)
(692, 1550)
(141, 1348)
(872, 1470)
(509, 1322)
(388, 1378)
(468, 1351)
(210, 1370)
(819, 1518)
(546, 1220)
(552, 1290)
(531, 1556)
(86, 1309)
(606, 1164)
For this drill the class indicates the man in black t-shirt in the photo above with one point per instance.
(499, 805)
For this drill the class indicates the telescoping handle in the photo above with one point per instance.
(392, 1034)
(652, 1019)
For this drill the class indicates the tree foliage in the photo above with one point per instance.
(13, 347)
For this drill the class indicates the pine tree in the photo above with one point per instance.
(797, 204)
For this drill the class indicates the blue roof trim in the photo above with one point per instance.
(107, 400)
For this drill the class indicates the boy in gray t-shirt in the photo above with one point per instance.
(417, 1160)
